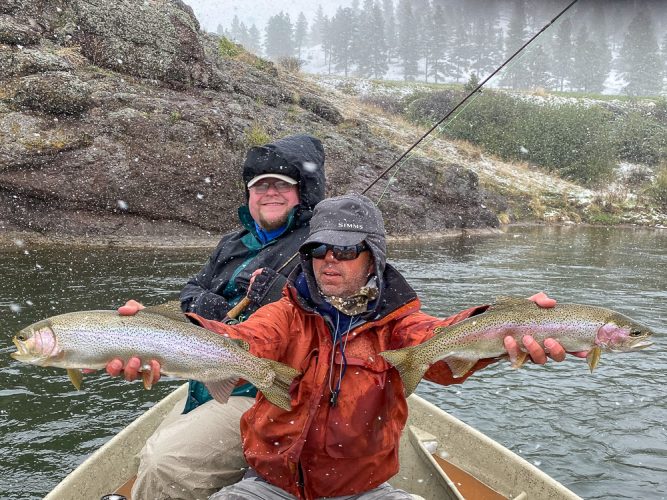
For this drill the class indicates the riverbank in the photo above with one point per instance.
(20, 239)
(13, 239)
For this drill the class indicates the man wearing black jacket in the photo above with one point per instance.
(197, 449)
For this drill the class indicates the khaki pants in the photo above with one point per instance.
(194, 455)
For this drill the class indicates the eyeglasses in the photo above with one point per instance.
(280, 186)
(339, 252)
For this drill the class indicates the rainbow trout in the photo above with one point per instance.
(90, 339)
(576, 327)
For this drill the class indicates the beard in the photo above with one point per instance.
(274, 223)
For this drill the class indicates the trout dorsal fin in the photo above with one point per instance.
(171, 310)
(241, 343)
(508, 301)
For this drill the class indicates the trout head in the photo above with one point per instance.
(36, 344)
(621, 333)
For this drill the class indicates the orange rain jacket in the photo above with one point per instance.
(318, 450)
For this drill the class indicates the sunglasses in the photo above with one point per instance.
(280, 186)
(339, 252)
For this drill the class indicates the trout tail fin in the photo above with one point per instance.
(411, 371)
(278, 392)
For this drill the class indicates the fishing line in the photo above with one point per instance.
(430, 140)
(440, 130)
(471, 93)
(238, 308)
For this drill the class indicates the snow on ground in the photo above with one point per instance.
(560, 197)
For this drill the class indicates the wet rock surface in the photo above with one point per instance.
(122, 119)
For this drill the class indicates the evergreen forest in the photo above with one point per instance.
(598, 46)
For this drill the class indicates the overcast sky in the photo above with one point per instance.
(210, 13)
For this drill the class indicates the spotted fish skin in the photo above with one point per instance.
(576, 327)
(90, 339)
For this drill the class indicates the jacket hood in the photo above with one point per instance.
(347, 220)
(300, 157)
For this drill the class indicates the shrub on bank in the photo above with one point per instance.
(658, 190)
(641, 137)
(581, 143)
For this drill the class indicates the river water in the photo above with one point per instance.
(602, 435)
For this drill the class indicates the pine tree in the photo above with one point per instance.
(378, 55)
(588, 73)
(437, 31)
(421, 10)
(516, 75)
(562, 54)
(459, 57)
(600, 35)
(343, 31)
(363, 41)
(279, 41)
(254, 42)
(327, 36)
(484, 46)
(235, 32)
(537, 64)
(300, 32)
(408, 51)
(317, 27)
(639, 60)
(390, 30)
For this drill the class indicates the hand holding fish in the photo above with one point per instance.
(538, 355)
(131, 370)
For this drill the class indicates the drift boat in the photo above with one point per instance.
(441, 458)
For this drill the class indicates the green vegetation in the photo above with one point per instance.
(256, 136)
(581, 142)
(641, 138)
(174, 117)
(658, 190)
(227, 48)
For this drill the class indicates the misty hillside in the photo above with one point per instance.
(596, 46)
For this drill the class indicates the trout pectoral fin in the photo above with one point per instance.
(221, 389)
(147, 378)
(460, 366)
(76, 377)
(520, 360)
(593, 358)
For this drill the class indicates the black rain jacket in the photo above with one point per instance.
(224, 279)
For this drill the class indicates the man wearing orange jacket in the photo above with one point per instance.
(341, 307)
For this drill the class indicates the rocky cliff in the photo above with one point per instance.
(122, 119)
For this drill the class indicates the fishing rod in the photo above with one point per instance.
(245, 301)
(470, 94)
